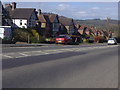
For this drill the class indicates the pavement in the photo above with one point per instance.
(41, 44)
(63, 66)
(23, 45)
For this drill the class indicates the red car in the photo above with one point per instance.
(63, 39)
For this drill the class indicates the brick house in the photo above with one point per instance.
(87, 31)
(43, 23)
(54, 23)
(82, 29)
(68, 23)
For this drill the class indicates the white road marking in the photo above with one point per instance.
(7, 56)
(54, 51)
(24, 54)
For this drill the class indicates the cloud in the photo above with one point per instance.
(108, 8)
(82, 12)
(63, 7)
(95, 8)
(73, 10)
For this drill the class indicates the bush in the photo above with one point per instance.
(96, 39)
(85, 40)
(21, 35)
(42, 39)
(100, 39)
(34, 40)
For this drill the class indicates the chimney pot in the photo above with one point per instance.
(39, 12)
(13, 6)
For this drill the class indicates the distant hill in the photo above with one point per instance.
(95, 22)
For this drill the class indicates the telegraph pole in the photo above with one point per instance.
(108, 27)
(108, 22)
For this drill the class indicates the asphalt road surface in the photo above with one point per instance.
(61, 67)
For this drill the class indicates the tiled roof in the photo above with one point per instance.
(82, 27)
(22, 13)
(87, 29)
(51, 17)
(46, 18)
(41, 18)
(65, 21)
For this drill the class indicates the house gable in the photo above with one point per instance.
(32, 20)
(56, 20)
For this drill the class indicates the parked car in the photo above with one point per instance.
(112, 41)
(91, 40)
(63, 39)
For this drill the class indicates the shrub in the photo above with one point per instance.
(42, 39)
(34, 40)
(85, 40)
(100, 39)
(21, 35)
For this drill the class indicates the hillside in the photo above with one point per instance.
(95, 22)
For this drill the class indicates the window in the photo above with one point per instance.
(20, 22)
(43, 25)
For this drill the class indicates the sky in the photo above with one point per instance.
(76, 10)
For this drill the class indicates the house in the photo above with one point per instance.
(5, 19)
(82, 29)
(77, 26)
(94, 32)
(54, 23)
(5, 24)
(68, 23)
(102, 32)
(22, 17)
(62, 29)
(43, 23)
(87, 31)
(99, 32)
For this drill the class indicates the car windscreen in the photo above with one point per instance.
(61, 37)
(111, 39)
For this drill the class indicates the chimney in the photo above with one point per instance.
(39, 12)
(13, 6)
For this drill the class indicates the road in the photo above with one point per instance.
(63, 66)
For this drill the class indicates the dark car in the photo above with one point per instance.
(63, 39)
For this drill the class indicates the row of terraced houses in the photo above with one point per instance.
(48, 24)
